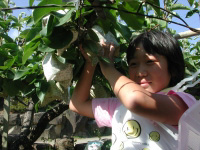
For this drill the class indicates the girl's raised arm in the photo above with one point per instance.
(162, 108)
(80, 101)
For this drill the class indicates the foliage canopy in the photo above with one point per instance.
(56, 25)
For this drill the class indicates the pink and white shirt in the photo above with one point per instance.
(131, 131)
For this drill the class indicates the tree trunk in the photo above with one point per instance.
(28, 119)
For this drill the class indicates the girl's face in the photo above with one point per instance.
(149, 71)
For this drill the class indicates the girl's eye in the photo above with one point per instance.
(150, 61)
(132, 64)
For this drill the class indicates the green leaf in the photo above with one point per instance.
(124, 31)
(134, 21)
(9, 74)
(11, 87)
(58, 14)
(35, 68)
(178, 7)
(190, 64)
(93, 35)
(192, 12)
(40, 95)
(43, 32)
(104, 24)
(46, 41)
(20, 73)
(33, 41)
(7, 22)
(9, 62)
(3, 4)
(59, 38)
(91, 46)
(156, 2)
(44, 48)
(4, 55)
(28, 91)
(16, 25)
(66, 18)
(31, 2)
(4, 24)
(41, 89)
(13, 18)
(29, 21)
(10, 46)
(195, 57)
(51, 24)
(24, 33)
(39, 13)
(3, 67)
(162, 23)
(37, 84)
(83, 13)
(191, 2)
(29, 34)
(29, 51)
(6, 37)
(36, 107)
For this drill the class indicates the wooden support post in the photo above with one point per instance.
(6, 112)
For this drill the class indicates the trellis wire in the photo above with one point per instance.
(113, 8)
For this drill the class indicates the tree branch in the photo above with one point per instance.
(36, 7)
(28, 118)
(113, 8)
(168, 12)
(149, 16)
(45, 119)
(186, 34)
(99, 11)
(140, 7)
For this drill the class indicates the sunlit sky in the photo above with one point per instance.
(193, 21)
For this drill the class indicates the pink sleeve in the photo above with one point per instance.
(103, 110)
(187, 98)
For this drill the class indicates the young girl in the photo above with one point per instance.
(145, 114)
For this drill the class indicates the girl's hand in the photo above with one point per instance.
(108, 50)
(108, 53)
(87, 59)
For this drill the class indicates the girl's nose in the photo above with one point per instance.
(142, 72)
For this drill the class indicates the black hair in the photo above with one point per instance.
(157, 42)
